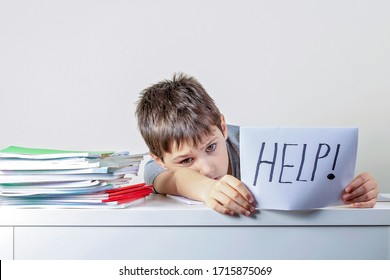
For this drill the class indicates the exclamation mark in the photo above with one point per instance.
(331, 176)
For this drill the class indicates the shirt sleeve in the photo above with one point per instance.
(233, 147)
(151, 171)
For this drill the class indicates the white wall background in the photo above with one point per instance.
(71, 71)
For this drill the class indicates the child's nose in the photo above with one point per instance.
(205, 168)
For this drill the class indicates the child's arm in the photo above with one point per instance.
(227, 195)
(362, 191)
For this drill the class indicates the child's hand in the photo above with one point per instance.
(362, 192)
(229, 195)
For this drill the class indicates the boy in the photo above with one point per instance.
(196, 154)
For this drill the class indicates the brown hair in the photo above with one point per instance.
(173, 112)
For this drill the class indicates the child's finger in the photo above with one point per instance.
(239, 187)
(233, 195)
(213, 204)
(358, 181)
(230, 203)
(360, 187)
(367, 199)
(364, 204)
(362, 192)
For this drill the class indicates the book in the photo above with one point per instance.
(121, 195)
(9, 179)
(42, 153)
(36, 177)
(48, 159)
(112, 170)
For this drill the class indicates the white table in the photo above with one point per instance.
(162, 228)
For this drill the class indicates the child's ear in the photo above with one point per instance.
(224, 127)
(158, 160)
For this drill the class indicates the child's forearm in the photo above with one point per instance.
(227, 195)
(192, 184)
(184, 182)
(165, 183)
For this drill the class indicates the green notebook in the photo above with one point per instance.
(39, 153)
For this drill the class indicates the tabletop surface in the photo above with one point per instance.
(159, 210)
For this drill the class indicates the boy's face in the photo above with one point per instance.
(210, 158)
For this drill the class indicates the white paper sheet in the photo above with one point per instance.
(293, 168)
(384, 197)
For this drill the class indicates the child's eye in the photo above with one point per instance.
(186, 161)
(211, 148)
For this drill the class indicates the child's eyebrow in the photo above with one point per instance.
(211, 141)
(181, 157)
(188, 154)
(200, 147)
(208, 143)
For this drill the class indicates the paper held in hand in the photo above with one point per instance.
(293, 168)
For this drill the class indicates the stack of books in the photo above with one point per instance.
(69, 179)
